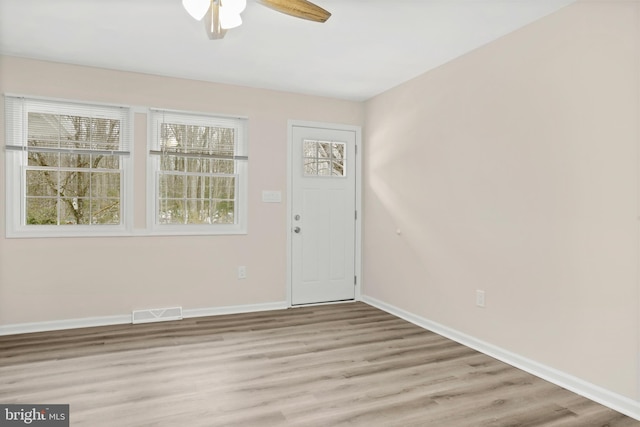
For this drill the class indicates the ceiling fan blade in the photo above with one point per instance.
(299, 8)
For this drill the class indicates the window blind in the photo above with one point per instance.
(66, 127)
(197, 136)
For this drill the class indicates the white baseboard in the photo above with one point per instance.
(234, 309)
(591, 391)
(57, 325)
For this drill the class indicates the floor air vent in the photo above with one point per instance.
(156, 315)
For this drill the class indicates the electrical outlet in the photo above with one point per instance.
(480, 298)
(242, 272)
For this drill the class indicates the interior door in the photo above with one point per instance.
(324, 215)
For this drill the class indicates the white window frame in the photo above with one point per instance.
(17, 109)
(155, 119)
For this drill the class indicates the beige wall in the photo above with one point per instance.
(514, 169)
(57, 279)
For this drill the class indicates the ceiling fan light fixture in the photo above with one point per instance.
(229, 19)
(212, 24)
(222, 15)
(234, 6)
(196, 8)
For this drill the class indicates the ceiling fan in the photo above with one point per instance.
(222, 15)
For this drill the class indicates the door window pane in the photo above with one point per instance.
(324, 158)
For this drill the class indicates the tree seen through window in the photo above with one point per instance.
(196, 177)
(70, 178)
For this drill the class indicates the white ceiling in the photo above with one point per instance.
(365, 48)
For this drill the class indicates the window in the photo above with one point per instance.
(197, 173)
(324, 158)
(67, 168)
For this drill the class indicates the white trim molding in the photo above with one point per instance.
(234, 309)
(57, 325)
(591, 391)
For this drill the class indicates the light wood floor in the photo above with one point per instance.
(333, 365)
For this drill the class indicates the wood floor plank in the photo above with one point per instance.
(329, 365)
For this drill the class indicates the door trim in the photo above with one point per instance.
(358, 230)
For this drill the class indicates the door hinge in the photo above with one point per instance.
(355, 280)
(356, 147)
(356, 215)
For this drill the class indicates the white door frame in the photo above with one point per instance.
(358, 243)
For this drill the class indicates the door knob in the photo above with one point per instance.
(296, 230)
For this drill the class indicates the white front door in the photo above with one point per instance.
(323, 209)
